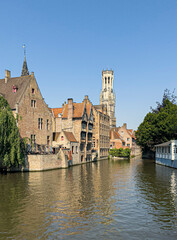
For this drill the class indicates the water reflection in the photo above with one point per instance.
(108, 199)
(157, 184)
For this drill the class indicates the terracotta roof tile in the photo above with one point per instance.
(57, 111)
(70, 136)
(88, 107)
(78, 110)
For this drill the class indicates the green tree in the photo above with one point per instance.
(12, 148)
(159, 125)
(120, 152)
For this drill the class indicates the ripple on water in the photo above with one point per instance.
(107, 200)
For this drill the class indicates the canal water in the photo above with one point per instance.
(128, 199)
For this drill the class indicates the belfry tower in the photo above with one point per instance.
(107, 96)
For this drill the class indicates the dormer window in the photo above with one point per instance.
(14, 89)
(33, 91)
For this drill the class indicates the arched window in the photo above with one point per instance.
(105, 80)
(108, 80)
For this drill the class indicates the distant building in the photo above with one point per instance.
(121, 137)
(126, 134)
(32, 114)
(107, 96)
(116, 141)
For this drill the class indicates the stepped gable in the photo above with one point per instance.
(7, 89)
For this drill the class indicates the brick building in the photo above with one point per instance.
(101, 129)
(121, 137)
(116, 141)
(33, 116)
(77, 118)
(66, 140)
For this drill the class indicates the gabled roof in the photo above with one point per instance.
(88, 108)
(116, 135)
(6, 89)
(56, 111)
(70, 136)
(78, 110)
(165, 144)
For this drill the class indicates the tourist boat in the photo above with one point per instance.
(166, 153)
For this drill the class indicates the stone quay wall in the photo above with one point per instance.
(44, 162)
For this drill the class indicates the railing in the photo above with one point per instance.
(39, 149)
(164, 155)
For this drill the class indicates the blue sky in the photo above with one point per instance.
(70, 42)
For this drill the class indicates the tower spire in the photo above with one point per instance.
(25, 71)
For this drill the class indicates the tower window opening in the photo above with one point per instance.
(105, 80)
(108, 80)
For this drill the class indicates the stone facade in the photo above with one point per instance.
(78, 119)
(44, 162)
(66, 140)
(30, 113)
(101, 128)
(33, 116)
(107, 96)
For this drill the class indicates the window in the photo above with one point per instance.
(33, 91)
(47, 124)
(168, 149)
(76, 149)
(93, 143)
(105, 80)
(33, 139)
(62, 138)
(128, 139)
(128, 145)
(108, 79)
(122, 133)
(72, 149)
(40, 123)
(48, 140)
(123, 144)
(14, 89)
(33, 103)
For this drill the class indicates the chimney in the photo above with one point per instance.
(32, 74)
(70, 108)
(125, 125)
(7, 75)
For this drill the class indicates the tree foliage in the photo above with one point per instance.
(120, 152)
(12, 148)
(159, 125)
